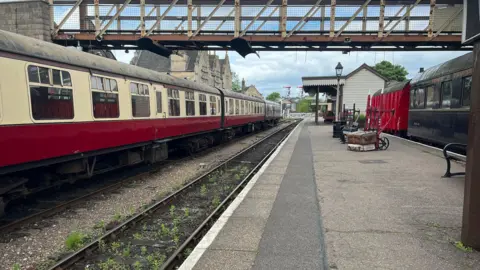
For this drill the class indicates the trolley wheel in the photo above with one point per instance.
(383, 143)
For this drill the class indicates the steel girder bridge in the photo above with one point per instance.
(265, 25)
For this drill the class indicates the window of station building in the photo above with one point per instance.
(231, 109)
(104, 97)
(140, 100)
(190, 103)
(202, 100)
(466, 88)
(173, 102)
(237, 107)
(51, 93)
(446, 94)
(213, 105)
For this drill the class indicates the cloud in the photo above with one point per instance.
(274, 70)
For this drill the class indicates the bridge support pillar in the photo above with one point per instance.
(471, 205)
(28, 18)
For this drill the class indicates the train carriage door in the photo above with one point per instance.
(160, 110)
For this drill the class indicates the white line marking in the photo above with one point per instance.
(424, 145)
(208, 239)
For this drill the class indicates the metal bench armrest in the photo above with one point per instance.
(448, 158)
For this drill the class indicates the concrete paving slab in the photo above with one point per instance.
(263, 192)
(240, 233)
(256, 208)
(270, 179)
(230, 259)
(388, 209)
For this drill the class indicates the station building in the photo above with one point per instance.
(354, 87)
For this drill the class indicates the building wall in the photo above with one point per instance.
(356, 89)
(202, 69)
(178, 63)
(29, 18)
(253, 92)
(189, 75)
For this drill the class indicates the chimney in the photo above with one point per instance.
(422, 69)
(243, 84)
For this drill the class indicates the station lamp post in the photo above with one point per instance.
(338, 71)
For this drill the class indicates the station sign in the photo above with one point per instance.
(471, 21)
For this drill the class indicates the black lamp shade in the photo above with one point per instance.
(339, 69)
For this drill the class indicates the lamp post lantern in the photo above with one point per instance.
(338, 71)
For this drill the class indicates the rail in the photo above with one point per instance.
(69, 261)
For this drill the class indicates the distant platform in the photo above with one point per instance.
(316, 205)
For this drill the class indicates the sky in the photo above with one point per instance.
(274, 70)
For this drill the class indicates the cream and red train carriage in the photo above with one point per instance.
(66, 114)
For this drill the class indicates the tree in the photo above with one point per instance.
(275, 96)
(391, 72)
(303, 105)
(236, 85)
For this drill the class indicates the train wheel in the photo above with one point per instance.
(383, 143)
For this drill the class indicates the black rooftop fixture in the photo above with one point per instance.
(146, 43)
(242, 47)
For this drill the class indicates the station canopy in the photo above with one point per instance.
(324, 84)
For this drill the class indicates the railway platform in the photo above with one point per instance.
(315, 205)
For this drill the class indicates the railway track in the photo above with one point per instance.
(38, 209)
(163, 235)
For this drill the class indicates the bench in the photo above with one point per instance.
(452, 156)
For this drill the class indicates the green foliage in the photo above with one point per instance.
(100, 225)
(303, 106)
(216, 201)
(16, 266)
(137, 236)
(137, 265)
(110, 264)
(165, 230)
(74, 240)
(274, 96)
(172, 210)
(462, 247)
(117, 217)
(203, 190)
(391, 72)
(236, 84)
(186, 212)
(143, 249)
(126, 251)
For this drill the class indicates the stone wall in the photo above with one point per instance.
(29, 18)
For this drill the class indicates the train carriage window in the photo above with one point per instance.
(158, 96)
(50, 100)
(33, 74)
(105, 103)
(237, 107)
(140, 100)
(420, 98)
(213, 105)
(173, 102)
(57, 77)
(202, 101)
(432, 97)
(231, 109)
(242, 107)
(466, 88)
(218, 105)
(446, 94)
(190, 103)
(66, 79)
(44, 75)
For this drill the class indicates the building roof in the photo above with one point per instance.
(192, 59)
(332, 80)
(153, 61)
(159, 63)
(369, 68)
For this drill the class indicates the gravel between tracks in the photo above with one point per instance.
(43, 240)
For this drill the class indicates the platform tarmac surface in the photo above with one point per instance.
(316, 205)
